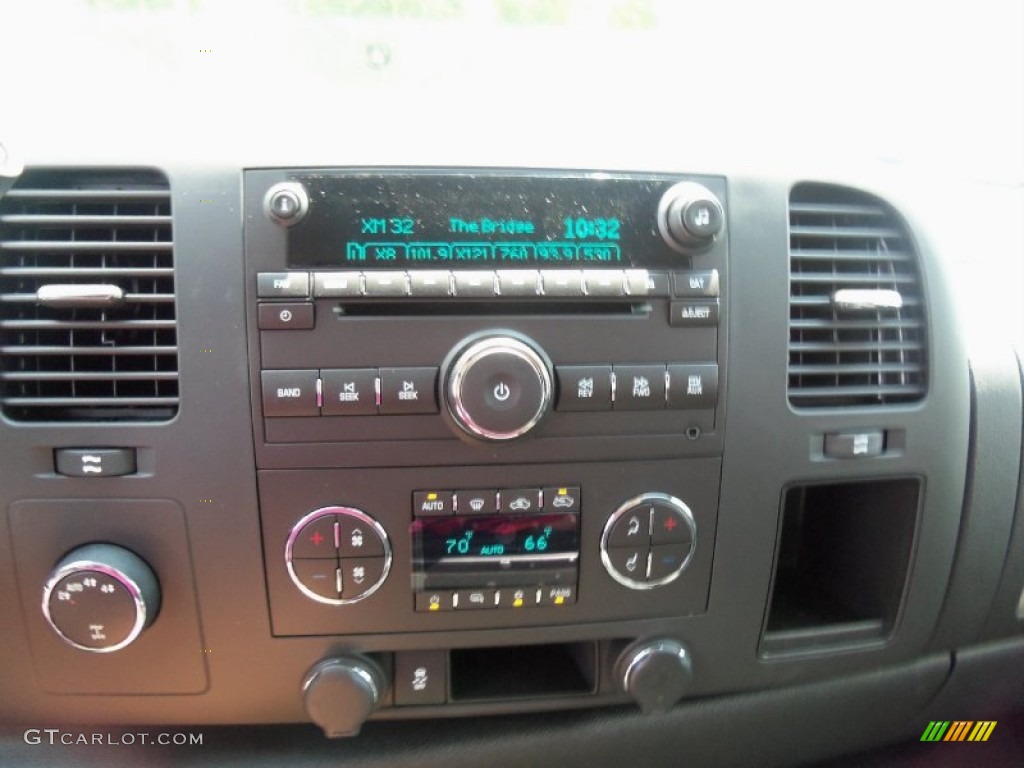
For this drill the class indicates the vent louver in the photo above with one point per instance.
(66, 356)
(857, 332)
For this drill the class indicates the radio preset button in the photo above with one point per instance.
(476, 502)
(408, 390)
(317, 539)
(435, 601)
(469, 285)
(290, 393)
(584, 387)
(639, 387)
(386, 284)
(429, 283)
(519, 282)
(521, 501)
(359, 574)
(693, 385)
(562, 499)
(433, 503)
(320, 577)
(562, 282)
(349, 391)
(330, 285)
(604, 283)
(693, 314)
(282, 285)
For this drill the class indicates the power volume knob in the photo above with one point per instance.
(100, 598)
(498, 388)
(690, 217)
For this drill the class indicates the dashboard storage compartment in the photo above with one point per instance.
(841, 564)
(530, 671)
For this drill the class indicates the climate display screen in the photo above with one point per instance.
(466, 221)
(476, 539)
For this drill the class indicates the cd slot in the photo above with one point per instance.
(492, 307)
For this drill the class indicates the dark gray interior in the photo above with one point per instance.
(856, 568)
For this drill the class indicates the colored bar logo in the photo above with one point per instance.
(958, 730)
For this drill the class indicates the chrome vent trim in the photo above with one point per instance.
(87, 298)
(857, 321)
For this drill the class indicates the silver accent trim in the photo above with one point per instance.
(866, 300)
(80, 566)
(355, 666)
(364, 518)
(69, 295)
(646, 651)
(470, 357)
(628, 506)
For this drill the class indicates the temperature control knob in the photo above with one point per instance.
(498, 388)
(340, 693)
(100, 598)
(656, 673)
(689, 217)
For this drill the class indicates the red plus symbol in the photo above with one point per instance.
(670, 523)
(316, 538)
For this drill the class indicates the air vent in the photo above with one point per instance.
(857, 333)
(87, 323)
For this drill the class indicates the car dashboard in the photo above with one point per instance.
(544, 458)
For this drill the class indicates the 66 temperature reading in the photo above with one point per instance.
(538, 543)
